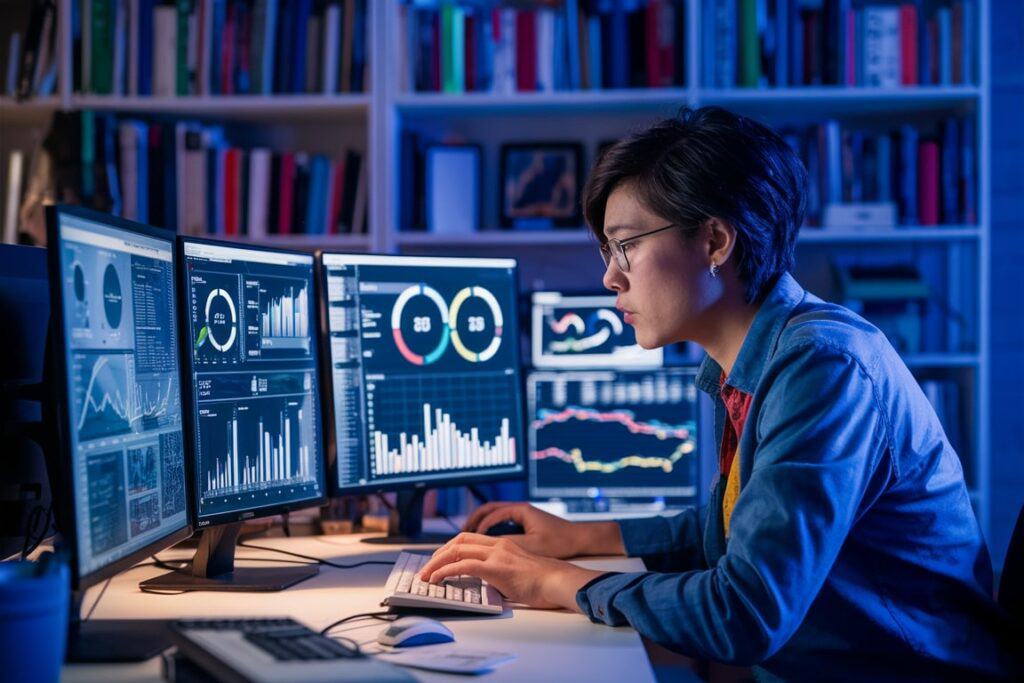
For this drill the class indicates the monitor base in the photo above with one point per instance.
(249, 579)
(421, 539)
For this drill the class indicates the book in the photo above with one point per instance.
(882, 47)
(928, 182)
(15, 171)
(165, 50)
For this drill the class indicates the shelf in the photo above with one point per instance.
(942, 360)
(569, 102)
(842, 100)
(946, 233)
(29, 111)
(258, 107)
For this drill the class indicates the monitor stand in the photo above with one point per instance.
(114, 640)
(405, 524)
(213, 569)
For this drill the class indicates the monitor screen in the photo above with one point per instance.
(123, 394)
(585, 332)
(628, 434)
(254, 380)
(424, 368)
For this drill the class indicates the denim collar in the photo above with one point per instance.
(759, 343)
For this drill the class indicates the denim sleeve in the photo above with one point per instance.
(666, 543)
(821, 456)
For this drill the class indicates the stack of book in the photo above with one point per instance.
(930, 175)
(188, 177)
(29, 66)
(219, 47)
(542, 46)
(779, 43)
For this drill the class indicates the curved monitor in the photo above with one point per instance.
(118, 386)
(253, 391)
(424, 370)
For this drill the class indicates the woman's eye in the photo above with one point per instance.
(627, 246)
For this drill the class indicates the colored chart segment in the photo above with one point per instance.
(419, 323)
(622, 434)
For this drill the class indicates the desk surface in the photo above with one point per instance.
(549, 644)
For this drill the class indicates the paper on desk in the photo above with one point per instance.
(447, 657)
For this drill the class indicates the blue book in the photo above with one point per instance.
(945, 47)
(141, 169)
(220, 8)
(814, 185)
(145, 56)
(796, 62)
(594, 49)
(908, 174)
(950, 170)
(968, 42)
(883, 150)
(269, 47)
(925, 48)
(783, 18)
(572, 43)
(300, 29)
(619, 57)
(359, 46)
(286, 16)
(560, 71)
(110, 157)
(834, 162)
(968, 177)
(485, 53)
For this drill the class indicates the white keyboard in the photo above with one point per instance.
(464, 594)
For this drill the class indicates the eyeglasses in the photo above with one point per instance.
(613, 247)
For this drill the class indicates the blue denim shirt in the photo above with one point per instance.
(853, 553)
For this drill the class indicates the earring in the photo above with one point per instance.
(713, 270)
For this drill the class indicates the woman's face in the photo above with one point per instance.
(667, 289)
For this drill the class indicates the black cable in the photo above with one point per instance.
(329, 563)
(285, 527)
(380, 616)
(29, 546)
(98, 598)
(387, 503)
(353, 645)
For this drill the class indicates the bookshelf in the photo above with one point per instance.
(374, 121)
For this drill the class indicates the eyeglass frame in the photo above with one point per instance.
(612, 247)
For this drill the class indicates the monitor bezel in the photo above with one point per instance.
(60, 462)
(222, 518)
(441, 481)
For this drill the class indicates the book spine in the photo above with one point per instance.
(928, 182)
(165, 28)
(526, 51)
(181, 75)
(287, 183)
(908, 44)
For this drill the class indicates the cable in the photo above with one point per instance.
(380, 616)
(329, 563)
(449, 520)
(285, 527)
(98, 598)
(29, 545)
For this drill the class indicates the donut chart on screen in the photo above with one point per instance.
(396, 324)
(492, 303)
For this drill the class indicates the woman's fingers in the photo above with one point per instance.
(456, 548)
(469, 567)
(473, 521)
(500, 515)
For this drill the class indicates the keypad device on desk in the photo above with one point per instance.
(404, 588)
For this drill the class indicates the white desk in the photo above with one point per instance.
(550, 645)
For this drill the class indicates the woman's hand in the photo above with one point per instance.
(548, 535)
(518, 574)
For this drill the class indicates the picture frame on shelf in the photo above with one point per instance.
(540, 185)
(453, 180)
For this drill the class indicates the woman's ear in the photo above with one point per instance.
(721, 240)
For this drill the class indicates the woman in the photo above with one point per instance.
(839, 542)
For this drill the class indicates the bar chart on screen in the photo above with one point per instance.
(284, 314)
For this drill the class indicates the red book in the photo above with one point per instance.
(231, 163)
(470, 53)
(651, 21)
(812, 68)
(337, 189)
(928, 182)
(284, 214)
(667, 40)
(526, 51)
(908, 44)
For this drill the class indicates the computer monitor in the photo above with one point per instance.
(252, 397)
(584, 331)
(118, 468)
(606, 440)
(424, 375)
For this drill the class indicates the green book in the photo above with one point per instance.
(102, 76)
(182, 75)
(88, 154)
(458, 49)
(750, 45)
(447, 48)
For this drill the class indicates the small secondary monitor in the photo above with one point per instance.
(252, 401)
(424, 370)
(576, 331)
(613, 436)
(121, 461)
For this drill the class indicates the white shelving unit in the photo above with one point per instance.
(375, 120)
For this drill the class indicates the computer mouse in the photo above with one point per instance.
(504, 528)
(412, 631)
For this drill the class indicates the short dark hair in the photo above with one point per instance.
(705, 163)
